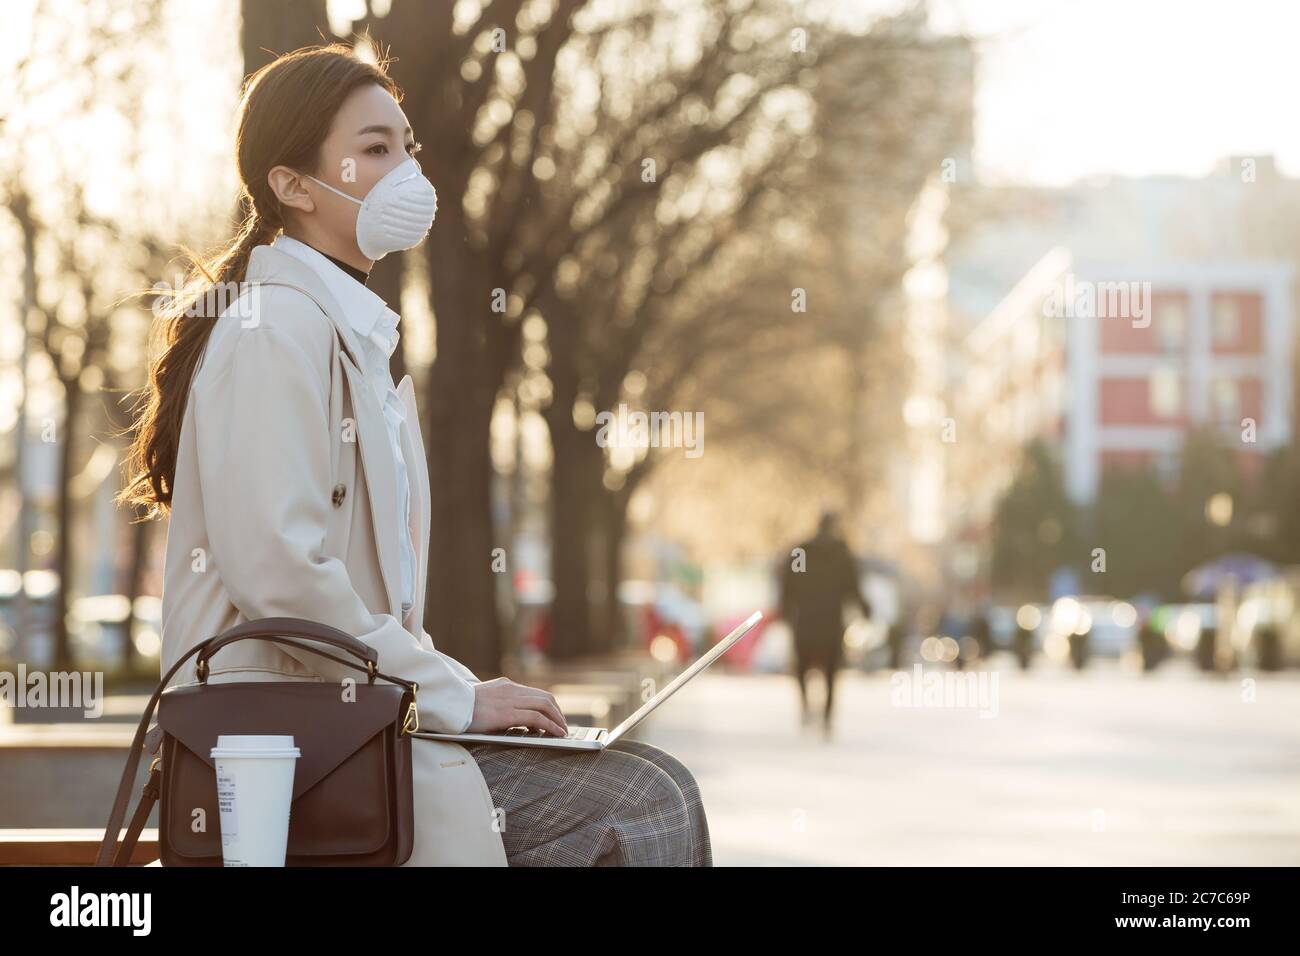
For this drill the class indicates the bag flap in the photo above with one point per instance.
(326, 727)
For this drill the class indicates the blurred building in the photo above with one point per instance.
(1212, 348)
(1109, 319)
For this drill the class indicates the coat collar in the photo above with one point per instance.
(269, 265)
(366, 312)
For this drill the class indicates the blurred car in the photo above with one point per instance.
(1270, 621)
(1183, 624)
(99, 626)
(1080, 628)
(36, 645)
(1002, 626)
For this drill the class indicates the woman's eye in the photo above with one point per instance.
(379, 149)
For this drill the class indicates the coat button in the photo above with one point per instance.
(339, 491)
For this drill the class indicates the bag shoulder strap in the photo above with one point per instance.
(105, 856)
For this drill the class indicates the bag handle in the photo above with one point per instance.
(270, 628)
(267, 628)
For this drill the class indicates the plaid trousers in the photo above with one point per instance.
(631, 804)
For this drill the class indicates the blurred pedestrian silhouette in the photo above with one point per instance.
(1151, 642)
(981, 631)
(1024, 645)
(896, 639)
(819, 577)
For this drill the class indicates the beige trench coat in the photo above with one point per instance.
(281, 444)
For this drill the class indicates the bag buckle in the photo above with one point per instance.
(412, 722)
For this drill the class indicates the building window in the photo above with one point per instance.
(1171, 324)
(1225, 396)
(1227, 322)
(1166, 393)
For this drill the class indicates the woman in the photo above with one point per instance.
(294, 476)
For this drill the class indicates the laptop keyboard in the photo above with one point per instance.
(575, 733)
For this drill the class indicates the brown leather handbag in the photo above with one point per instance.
(352, 798)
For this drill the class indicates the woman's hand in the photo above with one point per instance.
(501, 704)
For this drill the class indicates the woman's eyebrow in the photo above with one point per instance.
(379, 128)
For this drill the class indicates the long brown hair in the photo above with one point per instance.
(285, 112)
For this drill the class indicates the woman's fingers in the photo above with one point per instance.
(527, 717)
(549, 705)
(513, 705)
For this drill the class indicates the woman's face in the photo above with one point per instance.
(369, 137)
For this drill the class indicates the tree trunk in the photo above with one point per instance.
(140, 538)
(64, 555)
(613, 522)
(571, 524)
(271, 29)
(577, 463)
(461, 612)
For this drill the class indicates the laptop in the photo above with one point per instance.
(598, 738)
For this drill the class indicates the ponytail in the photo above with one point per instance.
(181, 333)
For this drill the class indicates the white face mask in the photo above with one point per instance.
(396, 214)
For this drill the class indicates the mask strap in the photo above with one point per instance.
(333, 190)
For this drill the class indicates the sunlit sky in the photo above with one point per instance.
(1073, 88)
(1068, 89)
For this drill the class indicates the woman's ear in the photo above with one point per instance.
(287, 184)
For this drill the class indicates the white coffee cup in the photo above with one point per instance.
(254, 793)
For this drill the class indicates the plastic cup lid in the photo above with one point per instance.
(255, 745)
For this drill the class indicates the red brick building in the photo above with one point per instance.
(1199, 345)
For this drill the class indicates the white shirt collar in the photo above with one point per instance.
(366, 312)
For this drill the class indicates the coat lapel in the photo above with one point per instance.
(271, 265)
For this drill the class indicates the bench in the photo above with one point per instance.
(61, 776)
(76, 846)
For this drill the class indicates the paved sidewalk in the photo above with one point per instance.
(1101, 768)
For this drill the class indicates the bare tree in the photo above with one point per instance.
(74, 261)
(813, 388)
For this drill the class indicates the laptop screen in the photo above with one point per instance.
(716, 651)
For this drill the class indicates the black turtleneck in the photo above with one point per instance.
(350, 270)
